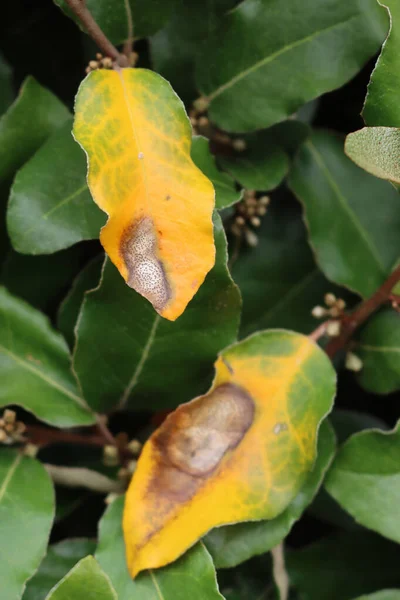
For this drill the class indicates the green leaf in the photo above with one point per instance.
(253, 68)
(264, 163)
(344, 566)
(6, 90)
(112, 16)
(26, 517)
(192, 576)
(365, 480)
(35, 366)
(29, 121)
(174, 48)
(60, 558)
(42, 280)
(234, 544)
(169, 362)
(378, 347)
(383, 595)
(347, 422)
(356, 244)
(68, 313)
(376, 150)
(50, 206)
(279, 280)
(226, 193)
(85, 580)
(382, 101)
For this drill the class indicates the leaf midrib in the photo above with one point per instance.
(9, 475)
(382, 349)
(268, 59)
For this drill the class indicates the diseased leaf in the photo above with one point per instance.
(29, 121)
(365, 480)
(379, 349)
(192, 576)
(112, 16)
(343, 566)
(226, 193)
(231, 545)
(85, 580)
(88, 279)
(356, 244)
(163, 356)
(286, 56)
(60, 558)
(376, 150)
(26, 517)
(35, 366)
(239, 453)
(382, 101)
(279, 280)
(137, 136)
(50, 207)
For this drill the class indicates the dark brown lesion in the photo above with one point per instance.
(146, 273)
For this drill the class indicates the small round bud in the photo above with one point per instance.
(201, 104)
(31, 450)
(110, 456)
(134, 447)
(203, 121)
(9, 416)
(107, 62)
(240, 221)
(261, 210)
(93, 64)
(318, 312)
(330, 299)
(239, 145)
(264, 200)
(353, 362)
(341, 304)
(255, 221)
(131, 466)
(333, 328)
(251, 238)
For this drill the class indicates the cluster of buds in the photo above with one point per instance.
(202, 126)
(11, 430)
(334, 308)
(248, 212)
(105, 62)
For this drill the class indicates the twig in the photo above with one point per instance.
(83, 477)
(103, 429)
(128, 46)
(43, 436)
(352, 321)
(319, 331)
(79, 9)
(279, 571)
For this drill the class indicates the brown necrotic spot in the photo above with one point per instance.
(145, 271)
(198, 435)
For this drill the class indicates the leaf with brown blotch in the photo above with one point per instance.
(239, 453)
(137, 137)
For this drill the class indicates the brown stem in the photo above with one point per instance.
(43, 436)
(128, 46)
(352, 321)
(319, 331)
(79, 9)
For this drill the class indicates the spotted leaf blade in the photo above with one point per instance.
(137, 138)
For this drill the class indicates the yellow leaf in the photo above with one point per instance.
(239, 453)
(137, 138)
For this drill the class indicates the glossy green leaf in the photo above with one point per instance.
(163, 355)
(264, 163)
(234, 544)
(29, 121)
(226, 193)
(192, 576)
(147, 16)
(343, 566)
(35, 366)
(50, 206)
(382, 101)
(378, 347)
(60, 558)
(26, 517)
(175, 47)
(6, 91)
(365, 480)
(85, 580)
(376, 150)
(279, 280)
(265, 60)
(87, 279)
(42, 280)
(356, 244)
(347, 422)
(383, 595)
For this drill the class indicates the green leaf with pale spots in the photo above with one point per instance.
(26, 517)
(35, 366)
(85, 580)
(376, 150)
(192, 576)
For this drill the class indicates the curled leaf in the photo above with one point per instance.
(137, 137)
(239, 453)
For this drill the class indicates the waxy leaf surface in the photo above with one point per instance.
(239, 453)
(26, 517)
(192, 576)
(376, 150)
(382, 101)
(137, 137)
(383, 595)
(85, 580)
